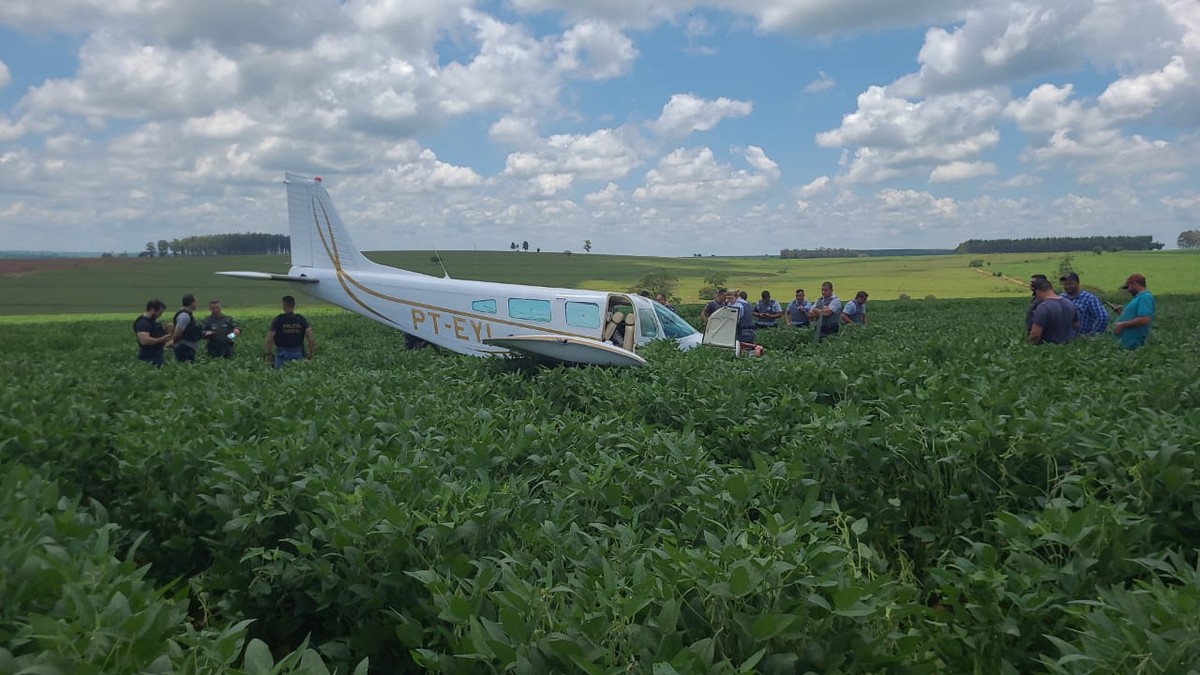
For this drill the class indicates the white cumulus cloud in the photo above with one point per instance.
(694, 175)
(686, 113)
(955, 171)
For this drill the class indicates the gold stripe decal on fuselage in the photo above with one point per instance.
(480, 326)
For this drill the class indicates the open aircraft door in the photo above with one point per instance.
(722, 329)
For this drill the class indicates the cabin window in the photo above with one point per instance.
(649, 327)
(530, 310)
(583, 314)
(485, 306)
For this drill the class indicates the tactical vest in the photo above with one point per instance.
(193, 332)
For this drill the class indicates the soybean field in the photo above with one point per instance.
(926, 494)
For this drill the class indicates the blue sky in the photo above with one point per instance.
(661, 128)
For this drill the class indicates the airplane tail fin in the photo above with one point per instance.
(318, 238)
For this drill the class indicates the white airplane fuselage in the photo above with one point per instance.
(458, 314)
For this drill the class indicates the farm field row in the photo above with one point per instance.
(926, 494)
(119, 285)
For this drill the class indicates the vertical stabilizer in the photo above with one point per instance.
(318, 238)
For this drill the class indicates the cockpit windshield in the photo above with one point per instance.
(672, 324)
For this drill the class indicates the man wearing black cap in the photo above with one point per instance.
(1093, 320)
(1054, 318)
(1133, 326)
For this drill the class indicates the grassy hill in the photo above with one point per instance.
(123, 285)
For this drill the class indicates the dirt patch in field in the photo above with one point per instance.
(21, 268)
(1009, 279)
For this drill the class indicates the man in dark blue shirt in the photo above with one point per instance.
(150, 334)
(288, 334)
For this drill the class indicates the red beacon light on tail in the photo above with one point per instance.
(317, 179)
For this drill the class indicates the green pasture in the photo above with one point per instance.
(124, 285)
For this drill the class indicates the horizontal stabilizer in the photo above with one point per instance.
(265, 276)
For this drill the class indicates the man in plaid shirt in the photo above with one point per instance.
(1092, 317)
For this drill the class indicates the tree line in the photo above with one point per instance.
(234, 243)
(1059, 244)
(809, 253)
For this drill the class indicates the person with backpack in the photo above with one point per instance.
(187, 331)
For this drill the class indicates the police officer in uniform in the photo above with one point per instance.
(288, 335)
(220, 330)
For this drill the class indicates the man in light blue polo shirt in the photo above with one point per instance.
(798, 309)
(828, 309)
(767, 311)
(745, 316)
(1133, 326)
(855, 311)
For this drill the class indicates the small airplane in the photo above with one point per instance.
(479, 318)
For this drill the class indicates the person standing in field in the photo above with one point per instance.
(717, 303)
(150, 334)
(220, 330)
(737, 300)
(855, 311)
(1133, 325)
(1033, 302)
(1093, 320)
(767, 312)
(827, 309)
(798, 309)
(288, 335)
(1054, 319)
(187, 331)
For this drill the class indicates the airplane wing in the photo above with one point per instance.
(264, 276)
(568, 349)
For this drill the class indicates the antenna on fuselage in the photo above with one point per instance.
(438, 254)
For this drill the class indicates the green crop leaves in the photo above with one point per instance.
(927, 494)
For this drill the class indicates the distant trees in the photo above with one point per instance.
(1188, 240)
(712, 281)
(1059, 244)
(525, 246)
(657, 282)
(822, 252)
(587, 245)
(236, 243)
(513, 247)
(149, 252)
(164, 247)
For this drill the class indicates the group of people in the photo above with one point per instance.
(826, 314)
(1057, 319)
(287, 336)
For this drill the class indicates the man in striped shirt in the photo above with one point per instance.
(1093, 319)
